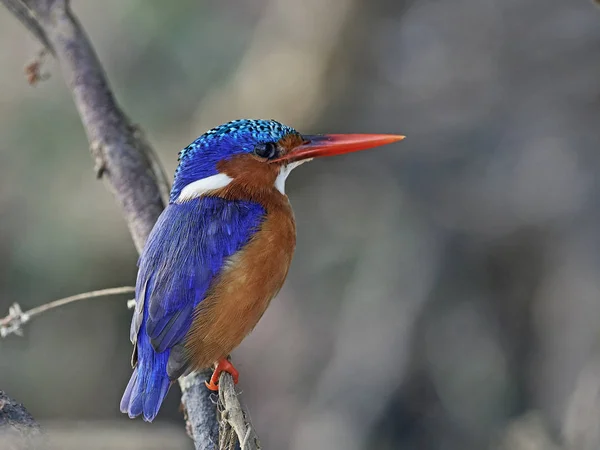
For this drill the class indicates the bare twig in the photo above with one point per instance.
(16, 317)
(128, 165)
(233, 416)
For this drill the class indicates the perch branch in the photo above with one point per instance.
(126, 162)
(233, 417)
(17, 318)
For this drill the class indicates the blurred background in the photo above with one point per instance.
(445, 292)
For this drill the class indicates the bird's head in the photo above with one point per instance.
(256, 155)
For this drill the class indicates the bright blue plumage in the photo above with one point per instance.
(241, 209)
(199, 159)
(185, 250)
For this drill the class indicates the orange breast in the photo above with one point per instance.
(241, 294)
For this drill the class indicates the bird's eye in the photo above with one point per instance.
(267, 150)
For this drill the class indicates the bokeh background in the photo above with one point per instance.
(445, 292)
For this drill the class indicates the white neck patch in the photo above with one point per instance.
(200, 187)
(284, 171)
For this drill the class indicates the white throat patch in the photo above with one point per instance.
(284, 171)
(200, 187)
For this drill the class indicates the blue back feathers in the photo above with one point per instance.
(186, 250)
(199, 159)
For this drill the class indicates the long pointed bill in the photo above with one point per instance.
(336, 144)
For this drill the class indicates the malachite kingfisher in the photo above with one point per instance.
(219, 252)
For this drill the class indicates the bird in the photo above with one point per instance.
(219, 252)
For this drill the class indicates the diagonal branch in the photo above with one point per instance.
(122, 157)
(128, 165)
(26, 16)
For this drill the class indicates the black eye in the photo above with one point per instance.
(267, 150)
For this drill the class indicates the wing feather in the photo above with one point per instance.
(187, 248)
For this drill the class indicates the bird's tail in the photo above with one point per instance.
(147, 387)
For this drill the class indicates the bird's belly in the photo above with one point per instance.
(240, 295)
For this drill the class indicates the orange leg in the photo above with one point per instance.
(223, 365)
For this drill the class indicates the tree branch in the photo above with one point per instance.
(26, 16)
(18, 429)
(233, 419)
(127, 163)
(121, 154)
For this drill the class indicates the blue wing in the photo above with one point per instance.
(186, 249)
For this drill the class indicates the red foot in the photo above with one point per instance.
(223, 365)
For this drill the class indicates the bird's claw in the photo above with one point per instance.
(223, 365)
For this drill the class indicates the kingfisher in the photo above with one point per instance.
(219, 252)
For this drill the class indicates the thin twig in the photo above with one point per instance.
(246, 438)
(16, 317)
(234, 415)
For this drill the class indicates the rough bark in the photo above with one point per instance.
(18, 428)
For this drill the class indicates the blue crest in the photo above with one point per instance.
(199, 159)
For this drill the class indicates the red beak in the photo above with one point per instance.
(336, 144)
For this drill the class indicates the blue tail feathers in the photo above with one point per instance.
(147, 387)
